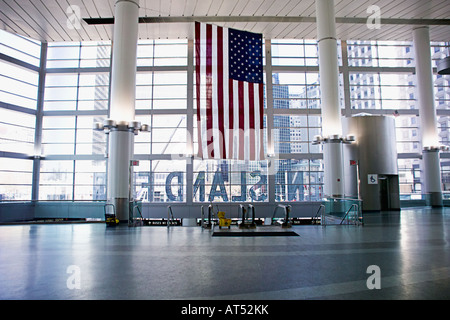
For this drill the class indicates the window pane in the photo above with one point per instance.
(18, 86)
(16, 176)
(230, 181)
(56, 180)
(19, 47)
(90, 180)
(160, 181)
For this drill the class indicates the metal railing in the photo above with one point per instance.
(209, 221)
(169, 215)
(135, 221)
(245, 216)
(352, 219)
(287, 210)
(315, 218)
(355, 216)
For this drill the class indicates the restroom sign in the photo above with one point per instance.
(372, 179)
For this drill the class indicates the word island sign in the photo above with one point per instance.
(256, 192)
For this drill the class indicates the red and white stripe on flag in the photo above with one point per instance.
(229, 112)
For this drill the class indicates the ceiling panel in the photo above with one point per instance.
(46, 20)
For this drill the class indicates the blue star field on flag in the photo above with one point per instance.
(245, 56)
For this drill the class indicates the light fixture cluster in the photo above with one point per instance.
(109, 125)
(333, 138)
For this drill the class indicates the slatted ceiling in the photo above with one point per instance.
(253, 7)
(176, 8)
(50, 20)
(299, 8)
(58, 13)
(267, 30)
(104, 8)
(211, 7)
(46, 19)
(360, 10)
(9, 25)
(403, 34)
(257, 27)
(226, 7)
(164, 8)
(19, 17)
(16, 15)
(146, 9)
(272, 8)
(287, 8)
(361, 33)
(278, 29)
(87, 7)
(310, 11)
(345, 30)
(401, 8)
(291, 31)
(309, 32)
(431, 9)
(413, 9)
(189, 8)
(237, 10)
(440, 33)
(441, 11)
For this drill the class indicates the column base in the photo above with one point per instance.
(122, 206)
(434, 199)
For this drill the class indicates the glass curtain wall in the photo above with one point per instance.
(19, 82)
(72, 163)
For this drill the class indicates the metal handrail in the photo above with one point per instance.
(286, 209)
(202, 215)
(246, 216)
(275, 211)
(209, 223)
(321, 208)
(211, 217)
(131, 220)
(242, 213)
(348, 211)
(252, 209)
(169, 214)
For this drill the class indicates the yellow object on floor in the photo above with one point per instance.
(223, 222)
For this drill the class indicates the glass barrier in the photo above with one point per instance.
(339, 211)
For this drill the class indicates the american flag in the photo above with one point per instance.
(230, 97)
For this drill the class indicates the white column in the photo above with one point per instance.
(427, 111)
(331, 110)
(124, 60)
(122, 106)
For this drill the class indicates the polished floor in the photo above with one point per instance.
(409, 249)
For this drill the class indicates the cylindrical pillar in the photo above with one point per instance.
(124, 60)
(432, 177)
(427, 111)
(122, 105)
(333, 168)
(331, 110)
(425, 88)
